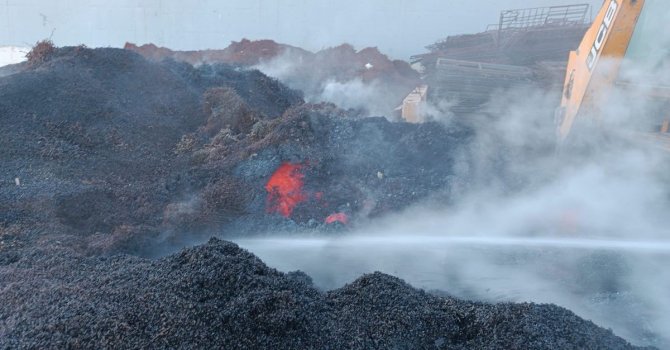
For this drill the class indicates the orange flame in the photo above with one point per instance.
(285, 189)
(337, 217)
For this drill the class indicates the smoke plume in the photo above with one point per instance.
(366, 81)
(583, 227)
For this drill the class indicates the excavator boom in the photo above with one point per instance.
(595, 65)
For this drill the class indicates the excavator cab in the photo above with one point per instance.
(619, 77)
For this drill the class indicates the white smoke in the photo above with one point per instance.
(439, 111)
(354, 94)
(284, 66)
(320, 82)
(585, 228)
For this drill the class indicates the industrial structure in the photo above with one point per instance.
(526, 45)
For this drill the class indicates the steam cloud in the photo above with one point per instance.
(585, 228)
(318, 79)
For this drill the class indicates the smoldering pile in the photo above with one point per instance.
(108, 153)
(113, 151)
(218, 295)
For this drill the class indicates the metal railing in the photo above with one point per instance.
(512, 22)
(568, 15)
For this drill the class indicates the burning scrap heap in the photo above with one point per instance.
(110, 153)
(107, 144)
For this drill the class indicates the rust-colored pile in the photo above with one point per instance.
(244, 52)
(312, 73)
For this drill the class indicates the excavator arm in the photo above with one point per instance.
(595, 65)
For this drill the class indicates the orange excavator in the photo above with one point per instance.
(624, 50)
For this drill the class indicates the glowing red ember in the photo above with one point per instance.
(285, 189)
(337, 217)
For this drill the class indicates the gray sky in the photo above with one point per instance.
(398, 27)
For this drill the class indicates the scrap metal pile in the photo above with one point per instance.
(105, 152)
(525, 46)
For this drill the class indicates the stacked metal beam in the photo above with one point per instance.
(466, 69)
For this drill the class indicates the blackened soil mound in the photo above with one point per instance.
(218, 295)
(107, 152)
(93, 137)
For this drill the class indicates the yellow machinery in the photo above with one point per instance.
(412, 104)
(625, 34)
